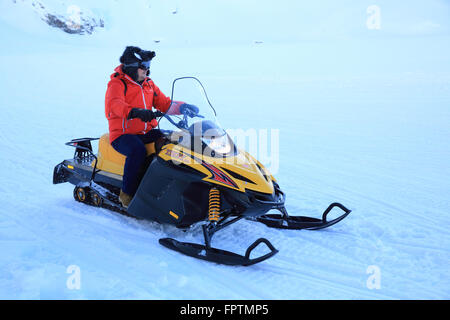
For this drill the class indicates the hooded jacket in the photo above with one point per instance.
(119, 102)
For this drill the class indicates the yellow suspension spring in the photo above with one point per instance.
(214, 205)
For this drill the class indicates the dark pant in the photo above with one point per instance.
(133, 147)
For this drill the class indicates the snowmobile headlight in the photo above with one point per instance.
(219, 144)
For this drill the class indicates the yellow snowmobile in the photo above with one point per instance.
(197, 176)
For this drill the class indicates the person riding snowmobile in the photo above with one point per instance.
(129, 99)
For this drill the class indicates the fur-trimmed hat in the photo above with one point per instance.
(136, 54)
(131, 59)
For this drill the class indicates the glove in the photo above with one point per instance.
(143, 114)
(189, 110)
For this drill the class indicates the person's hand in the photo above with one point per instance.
(189, 110)
(143, 114)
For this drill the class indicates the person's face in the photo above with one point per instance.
(142, 74)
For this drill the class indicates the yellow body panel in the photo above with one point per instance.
(265, 171)
(112, 161)
(217, 170)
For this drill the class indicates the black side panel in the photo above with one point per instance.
(164, 195)
(102, 179)
(75, 171)
(195, 199)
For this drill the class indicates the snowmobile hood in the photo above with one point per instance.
(240, 172)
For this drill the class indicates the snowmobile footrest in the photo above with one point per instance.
(217, 255)
(284, 221)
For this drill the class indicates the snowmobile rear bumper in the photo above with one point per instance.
(65, 172)
(61, 173)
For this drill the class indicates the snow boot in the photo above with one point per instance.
(125, 199)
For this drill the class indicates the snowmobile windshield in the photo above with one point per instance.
(191, 91)
(201, 125)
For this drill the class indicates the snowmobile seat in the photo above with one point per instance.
(112, 161)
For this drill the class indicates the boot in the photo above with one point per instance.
(125, 199)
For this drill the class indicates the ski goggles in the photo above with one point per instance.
(141, 64)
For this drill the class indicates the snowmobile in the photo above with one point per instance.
(198, 175)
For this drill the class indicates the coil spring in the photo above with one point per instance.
(214, 205)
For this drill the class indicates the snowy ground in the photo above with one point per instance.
(363, 119)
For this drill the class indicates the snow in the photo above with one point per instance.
(363, 118)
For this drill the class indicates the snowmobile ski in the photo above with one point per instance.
(217, 255)
(284, 221)
(208, 253)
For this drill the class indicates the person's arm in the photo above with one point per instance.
(164, 104)
(160, 101)
(115, 100)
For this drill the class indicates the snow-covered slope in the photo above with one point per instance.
(363, 118)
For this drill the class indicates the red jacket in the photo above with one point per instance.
(118, 104)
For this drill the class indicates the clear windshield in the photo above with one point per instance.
(188, 90)
(203, 124)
